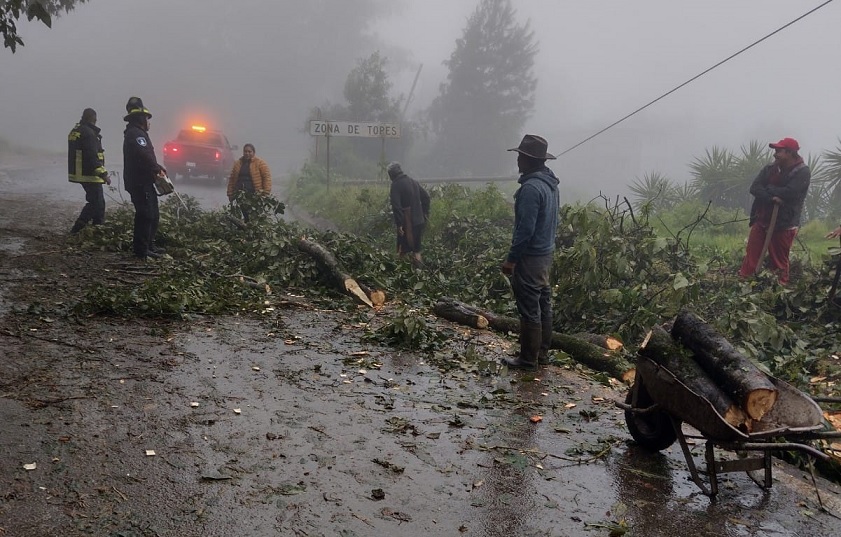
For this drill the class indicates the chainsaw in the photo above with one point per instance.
(164, 187)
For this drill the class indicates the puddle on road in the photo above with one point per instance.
(11, 275)
(12, 245)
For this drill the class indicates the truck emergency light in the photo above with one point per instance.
(199, 128)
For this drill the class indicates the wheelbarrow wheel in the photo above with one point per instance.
(652, 430)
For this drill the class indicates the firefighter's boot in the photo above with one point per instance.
(77, 226)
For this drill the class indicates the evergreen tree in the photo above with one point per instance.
(367, 92)
(488, 95)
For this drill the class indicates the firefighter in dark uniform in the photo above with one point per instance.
(86, 166)
(140, 170)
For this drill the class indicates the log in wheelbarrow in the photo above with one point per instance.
(658, 405)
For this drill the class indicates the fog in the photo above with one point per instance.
(254, 69)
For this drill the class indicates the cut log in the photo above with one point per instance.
(581, 351)
(660, 347)
(343, 281)
(606, 342)
(740, 378)
(833, 449)
(453, 311)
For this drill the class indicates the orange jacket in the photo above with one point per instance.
(261, 177)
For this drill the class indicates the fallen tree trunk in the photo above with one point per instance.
(454, 311)
(343, 281)
(731, 370)
(663, 349)
(580, 350)
(606, 342)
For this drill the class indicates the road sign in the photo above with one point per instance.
(361, 129)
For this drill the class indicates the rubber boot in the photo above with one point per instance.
(530, 335)
(77, 226)
(545, 342)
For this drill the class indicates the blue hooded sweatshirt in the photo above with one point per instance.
(536, 206)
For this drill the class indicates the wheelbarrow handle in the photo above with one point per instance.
(637, 410)
(772, 446)
(821, 435)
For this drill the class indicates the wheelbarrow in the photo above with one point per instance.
(658, 405)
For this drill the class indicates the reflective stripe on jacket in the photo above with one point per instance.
(85, 156)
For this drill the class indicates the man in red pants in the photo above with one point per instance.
(783, 184)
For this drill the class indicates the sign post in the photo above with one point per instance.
(356, 129)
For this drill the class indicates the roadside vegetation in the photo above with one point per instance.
(619, 269)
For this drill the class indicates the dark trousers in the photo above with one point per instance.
(532, 290)
(94, 209)
(245, 185)
(410, 241)
(146, 218)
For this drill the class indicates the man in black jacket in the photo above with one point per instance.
(410, 207)
(140, 170)
(86, 166)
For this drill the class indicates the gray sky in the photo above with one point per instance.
(254, 68)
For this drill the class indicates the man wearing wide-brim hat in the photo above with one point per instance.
(536, 206)
(140, 168)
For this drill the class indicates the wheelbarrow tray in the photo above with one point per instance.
(793, 414)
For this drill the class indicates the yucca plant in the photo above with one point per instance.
(716, 178)
(724, 178)
(654, 190)
(685, 192)
(831, 178)
(818, 198)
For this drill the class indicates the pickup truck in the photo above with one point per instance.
(199, 151)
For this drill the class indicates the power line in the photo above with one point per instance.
(699, 75)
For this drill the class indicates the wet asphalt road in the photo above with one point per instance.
(49, 179)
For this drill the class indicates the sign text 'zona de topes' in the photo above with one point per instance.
(353, 128)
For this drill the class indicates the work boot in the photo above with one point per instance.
(545, 342)
(157, 250)
(77, 226)
(529, 347)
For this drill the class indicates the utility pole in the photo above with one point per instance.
(411, 93)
